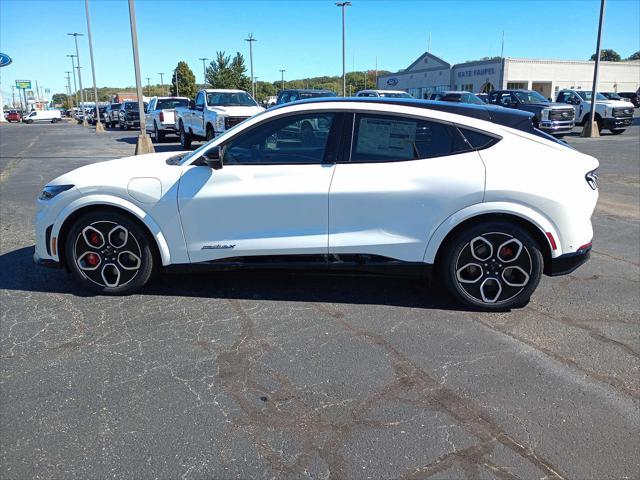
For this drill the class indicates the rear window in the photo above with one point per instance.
(115, 106)
(381, 138)
(168, 103)
(476, 139)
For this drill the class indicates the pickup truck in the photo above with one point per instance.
(111, 115)
(554, 118)
(610, 114)
(213, 112)
(129, 115)
(160, 116)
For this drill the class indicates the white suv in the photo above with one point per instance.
(470, 194)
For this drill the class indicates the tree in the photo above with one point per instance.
(226, 73)
(607, 55)
(186, 81)
(60, 99)
(634, 56)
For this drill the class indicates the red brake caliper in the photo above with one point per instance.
(92, 259)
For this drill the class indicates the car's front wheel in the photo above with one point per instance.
(109, 253)
(617, 131)
(185, 138)
(493, 266)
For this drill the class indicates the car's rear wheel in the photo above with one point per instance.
(494, 266)
(109, 253)
(158, 136)
(210, 133)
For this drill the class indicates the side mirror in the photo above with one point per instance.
(192, 105)
(213, 158)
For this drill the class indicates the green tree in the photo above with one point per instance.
(607, 55)
(186, 81)
(60, 99)
(223, 72)
(634, 56)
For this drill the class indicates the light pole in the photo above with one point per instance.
(282, 76)
(592, 130)
(251, 40)
(175, 76)
(161, 81)
(69, 85)
(99, 127)
(75, 86)
(84, 117)
(204, 71)
(149, 86)
(13, 96)
(144, 144)
(343, 5)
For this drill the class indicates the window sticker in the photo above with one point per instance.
(391, 138)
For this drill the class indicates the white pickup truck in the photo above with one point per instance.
(213, 112)
(160, 116)
(610, 114)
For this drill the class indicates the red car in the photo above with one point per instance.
(13, 116)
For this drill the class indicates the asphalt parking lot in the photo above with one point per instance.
(257, 375)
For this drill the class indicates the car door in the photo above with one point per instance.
(271, 196)
(197, 115)
(404, 176)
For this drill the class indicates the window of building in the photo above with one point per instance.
(467, 87)
(386, 138)
(516, 85)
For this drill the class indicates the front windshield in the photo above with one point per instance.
(230, 99)
(587, 95)
(303, 95)
(133, 106)
(530, 97)
(219, 141)
(395, 95)
(614, 96)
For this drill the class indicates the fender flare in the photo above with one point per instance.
(526, 213)
(113, 201)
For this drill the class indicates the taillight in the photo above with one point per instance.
(162, 116)
(592, 179)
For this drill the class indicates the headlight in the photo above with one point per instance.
(51, 191)
(545, 114)
(219, 123)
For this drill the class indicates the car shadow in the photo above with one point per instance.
(19, 273)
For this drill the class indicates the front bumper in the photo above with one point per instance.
(567, 263)
(621, 122)
(45, 262)
(131, 123)
(556, 126)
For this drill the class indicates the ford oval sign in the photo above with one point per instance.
(392, 82)
(4, 60)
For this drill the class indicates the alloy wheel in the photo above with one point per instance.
(493, 267)
(107, 254)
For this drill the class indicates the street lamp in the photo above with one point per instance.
(251, 40)
(75, 37)
(282, 76)
(69, 85)
(144, 144)
(75, 85)
(591, 129)
(99, 127)
(344, 77)
(204, 71)
(161, 81)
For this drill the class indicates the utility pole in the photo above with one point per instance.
(75, 85)
(84, 117)
(343, 5)
(13, 96)
(592, 130)
(376, 85)
(204, 71)
(282, 76)
(365, 78)
(144, 144)
(251, 40)
(162, 81)
(175, 76)
(99, 127)
(149, 86)
(502, 46)
(69, 86)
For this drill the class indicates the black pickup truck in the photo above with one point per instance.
(554, 118)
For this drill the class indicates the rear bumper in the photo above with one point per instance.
(567, 263)
(622, 122)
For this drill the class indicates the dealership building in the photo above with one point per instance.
(432, 74)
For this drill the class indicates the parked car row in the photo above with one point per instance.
(44, 116)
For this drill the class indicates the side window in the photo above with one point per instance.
(563, 97)
(478, 140)
(200, 100)
(380, 138)
(505, 99)
(296, 139)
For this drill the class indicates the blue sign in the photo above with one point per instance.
(476, 72)
(4, 60)
(392, 82)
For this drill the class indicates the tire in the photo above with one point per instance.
(158, 136)
(108, 253)
(478, 272)
(617, 131)
(29, 122)
(112, 124)
(210, 133)
(185, 138)
(121, 126)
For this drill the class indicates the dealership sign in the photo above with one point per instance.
(476, 72)
(392, 82)
(25, 84)
(4, 60)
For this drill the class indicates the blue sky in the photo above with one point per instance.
(300, 36)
